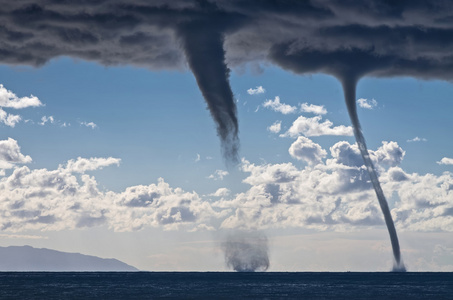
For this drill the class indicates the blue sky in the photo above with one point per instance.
(157, 120)
(157, 124)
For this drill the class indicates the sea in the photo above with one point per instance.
(225, 285)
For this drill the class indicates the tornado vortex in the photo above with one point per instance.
(349, 88)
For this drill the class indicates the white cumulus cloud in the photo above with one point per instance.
(47, 119)
(256, 91)
(446, 161)
(276, 127)
(277, 106)
(315, 127)
(9, 99)
(314, 109)
(390, 154)
(221, 192)
(10, 154)
(9, 119)
(367, 104)
(305, 149)
(89, 124)
(81, 165)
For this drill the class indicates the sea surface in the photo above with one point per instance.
(225, 285)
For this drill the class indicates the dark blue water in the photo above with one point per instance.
(218, 285)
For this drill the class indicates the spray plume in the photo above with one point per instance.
(246, 252)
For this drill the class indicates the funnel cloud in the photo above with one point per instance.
(349, 95)
(206, 58)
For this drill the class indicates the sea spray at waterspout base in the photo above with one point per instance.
(246, 251)
(349, 89)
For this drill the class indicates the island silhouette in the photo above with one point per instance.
(27, 258)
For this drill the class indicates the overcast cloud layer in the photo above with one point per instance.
(347, 39)
(381, 38)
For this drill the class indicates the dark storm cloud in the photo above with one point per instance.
(343, 38)
(155, 34)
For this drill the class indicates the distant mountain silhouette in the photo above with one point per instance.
(27, 258)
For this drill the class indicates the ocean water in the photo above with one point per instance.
(225, 285)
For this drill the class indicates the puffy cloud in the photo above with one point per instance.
(305, 149)
(367, 104)
(81, 165)
(277, 106)
(10, 155)
(89, 124)
(346, 154)
(47, 119)
(314, 127)
(390, 154)
(397, 174)
(312, 108)
(9, 99)
(221, 192)
(276, 127)
(256, 91)
(9, 119)
(269, 174)
(417, 139)
(446, 161)
(218, 175)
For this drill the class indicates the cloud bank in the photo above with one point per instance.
(332, 192)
